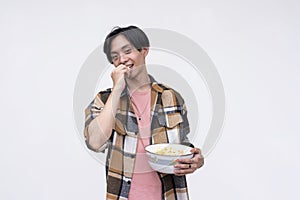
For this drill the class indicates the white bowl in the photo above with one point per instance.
(162, 157)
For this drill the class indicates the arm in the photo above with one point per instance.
(98, 130)
(187, 166)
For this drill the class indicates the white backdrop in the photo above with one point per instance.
(254, 45)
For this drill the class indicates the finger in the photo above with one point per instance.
(124, 70)
(121, 66)
(201, 163)
(124, 67)
(183, 166)
(185, 160)
(181, 172)
(198, 160)
(195, 151)
(121, 70)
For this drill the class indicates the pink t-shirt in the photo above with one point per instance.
(145, 183)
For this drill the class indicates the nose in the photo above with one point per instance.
(123, 58)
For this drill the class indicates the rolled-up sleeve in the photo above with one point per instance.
(184, 125)
(91, 112)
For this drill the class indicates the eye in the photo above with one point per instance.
(128, 51)
(114, 57)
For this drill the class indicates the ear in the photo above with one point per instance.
(145, 51)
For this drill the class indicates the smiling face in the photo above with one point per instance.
(123, 52)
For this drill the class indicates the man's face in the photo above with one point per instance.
(123, 52)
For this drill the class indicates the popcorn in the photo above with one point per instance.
(169, 151)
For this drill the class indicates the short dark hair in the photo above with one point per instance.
(132, 33)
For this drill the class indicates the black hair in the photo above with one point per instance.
(132, 33)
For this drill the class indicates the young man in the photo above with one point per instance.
(137, 112)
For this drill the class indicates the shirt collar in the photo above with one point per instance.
(154, 84)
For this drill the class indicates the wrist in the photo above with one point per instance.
(117, 90)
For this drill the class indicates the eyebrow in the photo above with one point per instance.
(123, 47)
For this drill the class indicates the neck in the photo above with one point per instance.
(141, 83)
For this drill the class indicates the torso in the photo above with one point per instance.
(145, 182)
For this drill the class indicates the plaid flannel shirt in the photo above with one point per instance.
(169, 124)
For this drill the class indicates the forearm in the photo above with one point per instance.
(100, 129)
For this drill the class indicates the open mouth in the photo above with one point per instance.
(130, 66)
